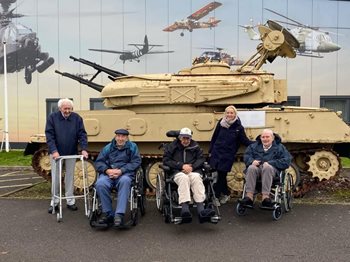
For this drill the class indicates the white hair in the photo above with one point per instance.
(268, 131)
(65, 101)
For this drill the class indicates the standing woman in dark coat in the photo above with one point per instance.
(227, 137)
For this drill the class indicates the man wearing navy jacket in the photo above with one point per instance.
(64, 132)
(116, 164)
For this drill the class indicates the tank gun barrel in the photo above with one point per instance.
(81, 80)
(99, 68)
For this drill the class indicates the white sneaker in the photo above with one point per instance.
(224, 199)
(216, 202)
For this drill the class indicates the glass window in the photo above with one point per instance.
(337, 103)
(97, 104)
(292, 101)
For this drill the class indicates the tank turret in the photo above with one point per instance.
(149, 105)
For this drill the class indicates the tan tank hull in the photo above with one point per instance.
(150, 105)
(304, 131)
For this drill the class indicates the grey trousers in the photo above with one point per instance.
(68, 180)
(253, 172)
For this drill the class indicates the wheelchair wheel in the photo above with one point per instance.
(167, 218)
(288, 192)
(160, 187)
(240, 209)
(134, 217)
(141, 198)
(93, 218)
(142, 204)
(277, 213)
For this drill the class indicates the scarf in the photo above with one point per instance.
(227, 123)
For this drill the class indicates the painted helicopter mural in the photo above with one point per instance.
(191, 22)
(22, 45)
(312, 41)
(141, 49)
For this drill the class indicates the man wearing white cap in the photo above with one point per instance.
(185, 159)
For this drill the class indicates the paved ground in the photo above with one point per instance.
(17, 178)
(308, 233)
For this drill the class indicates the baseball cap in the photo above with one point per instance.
(185, 132)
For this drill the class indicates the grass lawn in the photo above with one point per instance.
(15, 158)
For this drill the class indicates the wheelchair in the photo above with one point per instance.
(136, 204)
(167, 195)
(281, 195)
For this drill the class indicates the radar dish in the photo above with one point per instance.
(290, 39)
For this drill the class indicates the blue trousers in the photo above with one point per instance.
(104, 186)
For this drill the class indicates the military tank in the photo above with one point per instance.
(150, 105)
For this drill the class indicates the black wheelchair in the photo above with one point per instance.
(167, 195)
(136, 204)
(281, 195)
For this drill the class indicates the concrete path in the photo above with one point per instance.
(308, 233)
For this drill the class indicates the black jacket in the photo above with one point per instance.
(224, 145)
(176, 155)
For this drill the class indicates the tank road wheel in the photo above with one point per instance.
(235, 177)
(324, 164)
(293, 170)
(41, 163)
(78, 175)
(160, 187)
(151, 174)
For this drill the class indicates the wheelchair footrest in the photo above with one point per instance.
(95, 224)
(275, 205)
(182, 220)
(247, 206)
(215, 219)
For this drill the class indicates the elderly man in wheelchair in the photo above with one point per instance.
(117, 165)
(266, 159)
(183, 162)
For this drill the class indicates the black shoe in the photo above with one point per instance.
(72, 207)
(50, 210)
(186, 216)
(267, 203)
(246, 201)
(205, 215)
(118, 221)
(105, 219)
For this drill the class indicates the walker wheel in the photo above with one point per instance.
(59, 219)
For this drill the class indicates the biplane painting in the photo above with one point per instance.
(192, 21)
(152, 36)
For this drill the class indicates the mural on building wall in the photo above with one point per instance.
(141, 49)
(312, 40)
(57, 29)
(23, 50)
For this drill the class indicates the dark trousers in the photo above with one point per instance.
(220, 187)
